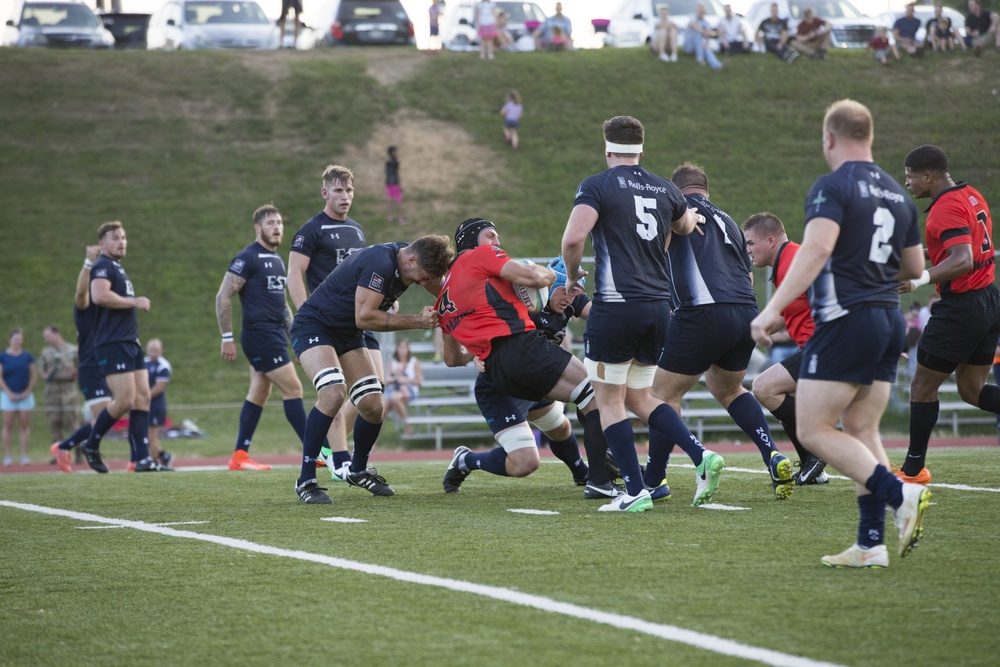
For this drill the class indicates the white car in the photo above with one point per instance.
(634, 22)
(849, 28)
(459, 31)
(924, 13)
(211, 24)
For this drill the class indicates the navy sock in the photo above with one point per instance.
(885, 486)
(621, 440)
(989, 398)
(79, 436)
(568, 451)
(494, 461)
(923, 417)
(102, 425)
(295, 413)
(249, 417)
(317, 424)
(340, 458)
(785, 413)
(749, 416)
(656, 461)
(667, 422)
(596, 446)
(365, 435)
(871, 527)
(138, 433)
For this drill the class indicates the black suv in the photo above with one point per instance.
(362, 22)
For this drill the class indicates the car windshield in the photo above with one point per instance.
(521, 12)
(685, 7)
(209, 13)
(825, 9)
(57, 15)
(372, 10)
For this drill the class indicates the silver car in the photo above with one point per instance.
(56, 24)
(211, 24)
(849, 28)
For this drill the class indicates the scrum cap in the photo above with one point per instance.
(467, 234)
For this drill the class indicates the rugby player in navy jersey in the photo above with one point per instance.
(328, 337)
(961, 335)
(630, 215)
(92, 385)
(257, 275)
(861, 238)
(480, 311)
(318, 248)
(712, 304)
(119, 354)
(566, 302)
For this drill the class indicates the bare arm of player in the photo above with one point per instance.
(688, 223)
(454, 354)
(368, 316)
(102, 295)
(581, 221)
(231, 285)
(82, 297)
(529, 275)
(158, 389)
(817, 245)
(298, 264)
(958, 262)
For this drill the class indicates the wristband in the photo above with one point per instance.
(227, 337)
(87, 263)
(924, 278)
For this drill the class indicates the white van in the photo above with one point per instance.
(634, 22)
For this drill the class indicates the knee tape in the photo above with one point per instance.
(327, 377)
(582, 395)
(516, 437)
(598, 371)
(367, 385)
(552, 419)
(641, 377)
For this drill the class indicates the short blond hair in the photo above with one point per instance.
(334, 172)
(850, 120)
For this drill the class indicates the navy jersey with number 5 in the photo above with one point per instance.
(375, 267)
(635, 208)
(877, 220)
(113, 325)
(262, 298)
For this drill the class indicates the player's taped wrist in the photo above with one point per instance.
(924, 278)
(87, 263)
(227, 337)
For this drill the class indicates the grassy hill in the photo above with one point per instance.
(182, 147)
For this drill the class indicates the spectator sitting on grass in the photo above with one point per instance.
(904, 32)
(881, 46)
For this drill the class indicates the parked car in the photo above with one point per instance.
(129, 30)
(459, 31)
(211, 24)
(924, 13)
(634, 22)
(57, 24)
(360, 22)
(849, 28)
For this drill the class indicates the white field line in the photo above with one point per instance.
(669, 632)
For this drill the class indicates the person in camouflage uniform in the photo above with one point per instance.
(57, 365)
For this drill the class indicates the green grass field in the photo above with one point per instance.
(183, 147)
(228, 568)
